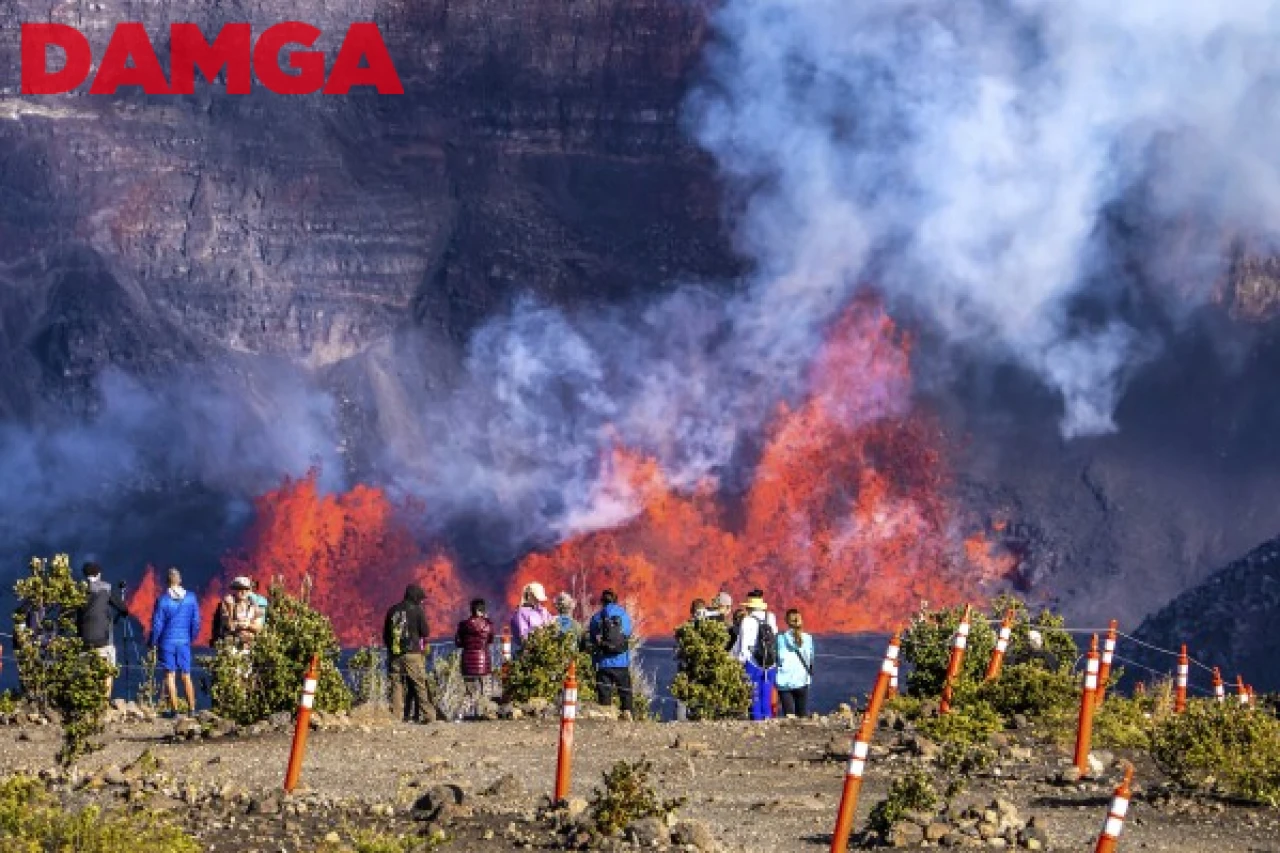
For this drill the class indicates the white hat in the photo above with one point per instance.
(535, 589)
(242, 582)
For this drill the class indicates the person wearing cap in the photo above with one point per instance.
(756, 648)
(721, 608)
(241, 618)
(564, 615)
(96, 620)
(531, 615)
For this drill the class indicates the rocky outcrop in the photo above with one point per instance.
(1227, 621)
(537, 149)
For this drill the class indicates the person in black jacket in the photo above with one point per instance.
(405, 634)
(97, 618)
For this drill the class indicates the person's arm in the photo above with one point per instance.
(159, 620)
(259, 618)
(386, 630)
(626, 624)
(122, 609)
(195, 618)
(424, 627)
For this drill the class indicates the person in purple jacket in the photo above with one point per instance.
(175, 625)
(531, 615)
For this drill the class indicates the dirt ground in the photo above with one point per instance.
(757, 786)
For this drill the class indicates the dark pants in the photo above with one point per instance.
(794, 702)
(409, 687)
(608, 678)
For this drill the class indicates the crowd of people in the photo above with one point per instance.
(778, 664)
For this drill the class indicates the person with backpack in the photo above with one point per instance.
(239, 617)
(96, 620)
(795, 667)
(175, 625)
(756, 648)
(609, 639)
(405, 633)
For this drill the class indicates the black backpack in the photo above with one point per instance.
(765, 651)
(612, 641)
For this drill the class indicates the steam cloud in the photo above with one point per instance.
(975, 152)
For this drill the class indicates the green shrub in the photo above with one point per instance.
(7, 703)
(710, 682)
(926, 648)
(911, 793)
(445, 684)
(967, 724)
(368, 669)
(248, 685)
(1124, 722)
(58, 672)
(1237, 747)
(539, 670)
(32, 820)
(1031, 690)
(628, 796)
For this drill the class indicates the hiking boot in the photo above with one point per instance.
(626, 716)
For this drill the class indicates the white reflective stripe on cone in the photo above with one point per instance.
(961, 641)
(1113, 827)
(1091, 667)
(856, 766)
(1091, 682)
(963, 629)
(309, 686)
(892, 654)
(1005, 632)
(1108, 645)
(1002, 645)
(1119, 807)
(308, 699)
(570, 694)
(860, 749)
(569, 712)
(887, 666)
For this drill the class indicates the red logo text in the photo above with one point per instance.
(130, 60)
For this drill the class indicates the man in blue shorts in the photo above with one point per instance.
(174, 627)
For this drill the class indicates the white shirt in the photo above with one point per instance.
(749, 630)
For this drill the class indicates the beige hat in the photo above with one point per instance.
(242, 582)
(536, 590)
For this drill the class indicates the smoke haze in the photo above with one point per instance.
(975, 150)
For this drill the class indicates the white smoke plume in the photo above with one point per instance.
(972, 149)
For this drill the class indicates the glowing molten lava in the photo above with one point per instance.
(352, 552)
(847, 517)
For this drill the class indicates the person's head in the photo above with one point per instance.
(697, 609)
(795, 623)
(564, 604)
(535, 594)
(414, 594)
(241, 587)
(608, 597)
(175, 577)
(723, 602)
(92, 571)
(479, 607)
(755, 601)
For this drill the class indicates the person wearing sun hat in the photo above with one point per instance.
(756, 648)
(241, 617)
(531, 615)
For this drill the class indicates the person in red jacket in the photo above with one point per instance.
(475, 634)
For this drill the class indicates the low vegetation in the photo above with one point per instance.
(709, 682)
(628, 796)
(913, 792)
(538, 671)
(58, 672)
(251, 684)
(32, 819)
(1224, 745)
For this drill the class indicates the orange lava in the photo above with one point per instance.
(142, 601)
(352, 552)
(847, 517)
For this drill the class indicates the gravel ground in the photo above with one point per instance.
(757, 787)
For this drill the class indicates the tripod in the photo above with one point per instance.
(129, 646)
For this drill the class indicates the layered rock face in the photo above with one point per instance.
(537, 149)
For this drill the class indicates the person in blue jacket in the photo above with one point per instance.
(175, 625)
(609, 638)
